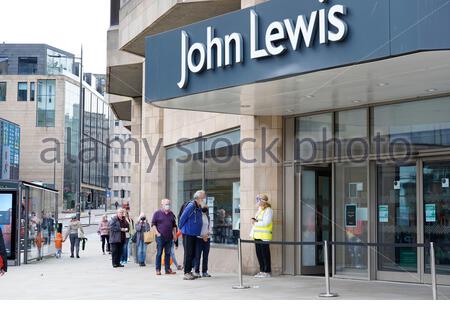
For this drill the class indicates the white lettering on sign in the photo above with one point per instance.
(329, 26)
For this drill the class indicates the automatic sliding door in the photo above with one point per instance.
(436, 213)
(397, 217)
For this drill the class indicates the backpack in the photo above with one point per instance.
(183, 206)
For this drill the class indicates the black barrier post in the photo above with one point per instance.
(241, 281)
(433, 271)
(328, 293)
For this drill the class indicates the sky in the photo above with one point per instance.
(64, 24)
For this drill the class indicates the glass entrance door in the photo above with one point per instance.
(315, 217)
(436, 213)
(397, 219)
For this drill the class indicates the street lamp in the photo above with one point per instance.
(80, 130)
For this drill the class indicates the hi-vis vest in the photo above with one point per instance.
(262, 233)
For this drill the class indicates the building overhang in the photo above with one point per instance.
(121, 106)
(125, 80)
(387, 51)
(410, 76)
(172, 15)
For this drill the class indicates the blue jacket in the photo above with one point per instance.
(191, 220)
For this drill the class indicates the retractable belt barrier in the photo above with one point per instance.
(328, 294)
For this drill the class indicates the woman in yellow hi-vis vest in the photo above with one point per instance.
(262, 232)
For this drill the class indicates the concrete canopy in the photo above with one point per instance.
(121, 106)
(180, 14)
(125, 80)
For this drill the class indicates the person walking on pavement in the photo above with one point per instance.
(3, 255)
(203, 245)
(117, 228)
(117, 205)
(164, 224)
(75, 232)
(141, 247)
(262, 232)
(191, 226)
(103, 231)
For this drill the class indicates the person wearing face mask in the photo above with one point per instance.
(191, 227)
(164, 224)
(262, 232)
(141, 247)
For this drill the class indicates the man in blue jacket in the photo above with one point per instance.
(190, 225)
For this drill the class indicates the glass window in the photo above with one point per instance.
(222, 184)
(351, 135)
(4, 65)
(436, 212)
(218, 174)
(57, 63)
(122, 179)
(352, 218)
(46, 103)
(116, 179)
(22, 91)
(116, 193)
(397, 222)
(87, 111)
(32, 91)
(314, 137)
(116, 123)
(116, 165)
(2, 91)
(419, 124)
(28, 65)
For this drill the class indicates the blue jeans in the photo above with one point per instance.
(201, 248)
(141, 251)
(172, 254)
(163, 244)
(124, 256)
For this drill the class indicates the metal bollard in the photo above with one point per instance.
(328, 293)
(433, 271)
(241, 280)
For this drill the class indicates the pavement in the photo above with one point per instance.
(92, 277)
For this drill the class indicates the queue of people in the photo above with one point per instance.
(194, 226)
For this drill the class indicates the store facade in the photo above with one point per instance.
(339, 110)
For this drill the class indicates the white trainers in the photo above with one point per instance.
(259, 275)
(266, 275)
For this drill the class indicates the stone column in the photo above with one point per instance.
(263, 176)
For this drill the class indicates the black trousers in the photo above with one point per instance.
(189, 243)
(105, 238)
(202, 251)
(116, 252)
(263, 254)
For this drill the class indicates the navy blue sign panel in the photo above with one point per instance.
(282, 38)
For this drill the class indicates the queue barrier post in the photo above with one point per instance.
(328, 293)
(241, 280)
(433, 271)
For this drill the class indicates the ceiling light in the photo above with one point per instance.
(309, 96)
(246, 106)
(356, 101)
(383, 84)
(432, 90)
(290, 110)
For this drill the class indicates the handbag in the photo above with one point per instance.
(149, 236)
(134, 237)
(81, 234)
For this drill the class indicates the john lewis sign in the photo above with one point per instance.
(288, 34)
(284, 38)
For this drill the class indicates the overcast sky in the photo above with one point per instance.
(65, 24)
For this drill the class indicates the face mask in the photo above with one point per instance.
(167, 207)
